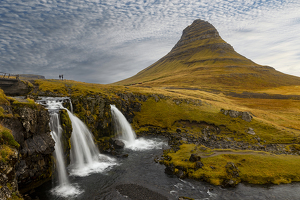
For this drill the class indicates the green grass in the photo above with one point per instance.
(166, 113)
(254, 166)
(7, 138)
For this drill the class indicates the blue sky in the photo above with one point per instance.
(103, 41)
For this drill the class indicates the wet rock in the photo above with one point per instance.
(181, 174)
(118, 144)
(194, 158)
(170, 169)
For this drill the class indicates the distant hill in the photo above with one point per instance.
(31, 76)
(202, 59)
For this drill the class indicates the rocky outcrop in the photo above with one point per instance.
(15, 87)
(30, 128)
(234, 114)
(232, 175)
(8, 181)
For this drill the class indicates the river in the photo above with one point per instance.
(139, 168)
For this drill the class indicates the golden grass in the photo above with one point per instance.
(166, 113)
(6, 137)
(5, 153)
(254, 167)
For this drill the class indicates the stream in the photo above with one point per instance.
(139, 168)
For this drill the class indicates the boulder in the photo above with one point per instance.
(198, 165)
(234, 114)
(194, 158)
(251, 131)
(118, 144)
(180, 174)
(246, 116)
(170, 169)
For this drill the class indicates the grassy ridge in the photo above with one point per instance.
(254, 166)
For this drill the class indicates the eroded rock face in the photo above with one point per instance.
(8, 181)
(30, 128)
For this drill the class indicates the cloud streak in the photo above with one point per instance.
(106, 41)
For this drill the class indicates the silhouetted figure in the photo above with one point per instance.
(59, 77)
(62, 77)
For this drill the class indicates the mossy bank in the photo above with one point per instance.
(203, 119)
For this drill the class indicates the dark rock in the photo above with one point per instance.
(229, 183)
(181, 174)
(170, 169)
(232, 174)
(194, 158)
(181, 168)
(198, 165)
(118, 144)
(178, 130)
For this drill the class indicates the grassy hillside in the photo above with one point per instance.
(202, 59)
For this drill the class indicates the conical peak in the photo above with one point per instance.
(200, 27)
(198, 30)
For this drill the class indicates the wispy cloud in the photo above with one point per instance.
(106, 41)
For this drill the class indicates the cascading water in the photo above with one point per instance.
(125, 133)
(64, 187)
(123, 128)
(85, 157)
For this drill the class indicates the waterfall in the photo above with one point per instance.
(125, 133)
(64, 187)
(122, 127)
(56, 131)
(85, 157)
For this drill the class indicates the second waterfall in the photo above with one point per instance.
(125, 133)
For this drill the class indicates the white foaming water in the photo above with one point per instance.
(125, 133)
(64, 188)
(67, 191)
(85, 157)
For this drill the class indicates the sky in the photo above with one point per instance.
(104, 41)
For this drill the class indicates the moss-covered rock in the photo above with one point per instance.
(66, 134)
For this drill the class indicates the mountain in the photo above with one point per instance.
(202, 59)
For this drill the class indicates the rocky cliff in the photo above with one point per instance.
(29, 125)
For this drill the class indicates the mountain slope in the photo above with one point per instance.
(202, 59)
